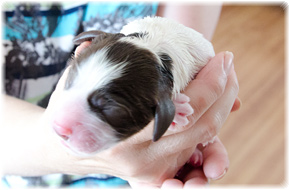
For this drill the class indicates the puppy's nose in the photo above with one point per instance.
(62, 131)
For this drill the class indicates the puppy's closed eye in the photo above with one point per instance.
(112, 108)
(115, 110)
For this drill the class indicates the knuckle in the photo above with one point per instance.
(213, 125)
(199, 106)
(218, 86)
(233, 80)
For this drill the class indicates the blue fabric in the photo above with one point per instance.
(38, 39)
(110, 182)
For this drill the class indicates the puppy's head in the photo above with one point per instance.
(113, 90)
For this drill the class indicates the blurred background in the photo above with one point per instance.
(255, 135)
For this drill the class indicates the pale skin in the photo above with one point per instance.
(26, 135)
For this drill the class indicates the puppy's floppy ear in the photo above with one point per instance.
(88, 36)
(165, 109)
(164, 115)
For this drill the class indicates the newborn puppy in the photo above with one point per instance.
(121, 82)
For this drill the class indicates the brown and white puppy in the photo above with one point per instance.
(121, 82)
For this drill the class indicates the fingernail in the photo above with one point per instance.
(219, 177)
(228, 62)
(237, 105)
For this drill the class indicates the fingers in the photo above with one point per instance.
(213, 119)
(209, 84)
(212, 96)
(216, 161)
(215, 166)
(194, 178)
(172, 184)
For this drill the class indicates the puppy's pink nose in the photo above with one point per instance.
(62, 131)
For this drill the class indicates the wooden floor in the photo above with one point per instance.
(255, 135)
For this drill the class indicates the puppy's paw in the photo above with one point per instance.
(196, 159)
(209, 142)
(182, 110)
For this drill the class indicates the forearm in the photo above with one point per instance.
(22, 138)
(29, 146)
(202, 18)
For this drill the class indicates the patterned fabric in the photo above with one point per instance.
(37, 42)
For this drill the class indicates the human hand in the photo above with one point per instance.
(213, 100)
(139, 160)
(215, 165)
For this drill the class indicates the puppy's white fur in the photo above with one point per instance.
(75, 109)
(189, 50)
(92, 75)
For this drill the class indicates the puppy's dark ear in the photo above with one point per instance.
(164, 115)
(165, 109)
(88, 36)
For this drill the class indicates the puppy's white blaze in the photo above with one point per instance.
(94, 73)
(81, 119)
(97, 71)
(187, 47)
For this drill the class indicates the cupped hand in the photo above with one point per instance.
(213, 96)
(153, 164)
